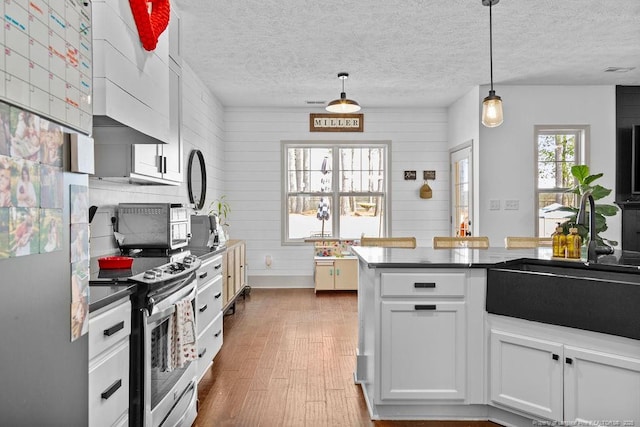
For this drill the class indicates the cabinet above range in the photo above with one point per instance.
(137, 103)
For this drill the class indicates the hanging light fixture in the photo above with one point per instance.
(343, 105)
(492, 104)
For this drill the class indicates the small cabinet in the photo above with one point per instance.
(562, 382)
(336, 273)
(234, 280)
(109, 331)
(424, 351)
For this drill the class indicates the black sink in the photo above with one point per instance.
(583, 298)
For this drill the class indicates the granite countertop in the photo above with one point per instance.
(426, 257)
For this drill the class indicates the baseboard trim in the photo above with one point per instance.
(281, 282)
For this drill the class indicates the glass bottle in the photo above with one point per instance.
(559, 243)
(574, 243)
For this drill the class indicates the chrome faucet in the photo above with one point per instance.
(592, 250)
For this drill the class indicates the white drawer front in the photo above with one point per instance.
(109, 327)
(208, 304)
(109, 388)
(422, 284)
(209, 270)
(209, 343)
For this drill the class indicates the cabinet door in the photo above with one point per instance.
(324, 275)
(526, 374)
(172, 151)
(243, 265)
(225, 278)
(423, 352)
(237, 269)
(601, 386)
(231, 273)
(346, 274)
(146, 159)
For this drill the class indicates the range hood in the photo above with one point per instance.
(107, 130)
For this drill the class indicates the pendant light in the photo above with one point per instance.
(343, 105)
(492, 104)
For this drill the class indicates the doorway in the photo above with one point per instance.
(461, 190)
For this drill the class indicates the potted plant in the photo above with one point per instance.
(222, 209)
(584, 184)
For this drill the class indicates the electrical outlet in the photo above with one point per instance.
(494, 205)
(511, 205)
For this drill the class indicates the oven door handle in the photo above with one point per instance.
(167, 306)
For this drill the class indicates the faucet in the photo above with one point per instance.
(592, 250)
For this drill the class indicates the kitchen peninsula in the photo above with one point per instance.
(476, 334)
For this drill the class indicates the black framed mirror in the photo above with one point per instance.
(196, 179)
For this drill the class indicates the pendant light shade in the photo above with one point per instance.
(492, 104)
(343, 105)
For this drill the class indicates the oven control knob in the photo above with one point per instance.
(188, 260)
(149, 275)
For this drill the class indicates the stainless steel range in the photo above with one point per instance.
(162, 394)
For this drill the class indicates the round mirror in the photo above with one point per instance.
(196, 179)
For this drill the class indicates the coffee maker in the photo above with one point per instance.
(204, 231)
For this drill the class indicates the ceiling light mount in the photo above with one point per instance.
(343, 105)
(492, 105)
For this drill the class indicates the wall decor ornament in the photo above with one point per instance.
(152, 18)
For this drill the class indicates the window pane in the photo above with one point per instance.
(362, 169)
(304, 216)
(309, 169)
(548, 216)
(361, 214)
(556, 156)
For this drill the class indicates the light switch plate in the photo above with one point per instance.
(494, 205)
(511, 205)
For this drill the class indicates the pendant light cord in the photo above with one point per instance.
(491, 43)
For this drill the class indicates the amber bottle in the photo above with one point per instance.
(559, 243)
(574, 243)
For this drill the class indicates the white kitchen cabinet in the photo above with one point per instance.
(562, 382)
(424, 351)
(209, 312)
(109, 331)
(333, 273)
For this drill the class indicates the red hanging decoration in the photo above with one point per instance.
(152, 18)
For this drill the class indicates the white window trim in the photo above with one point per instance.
(286, 144)
(582, 157)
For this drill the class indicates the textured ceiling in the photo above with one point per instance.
(418, 53)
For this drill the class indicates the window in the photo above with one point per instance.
(557, 150)
(335, 190)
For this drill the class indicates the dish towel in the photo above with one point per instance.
(183, 342)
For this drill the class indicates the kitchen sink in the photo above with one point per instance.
(577, 297)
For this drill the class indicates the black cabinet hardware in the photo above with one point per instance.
(112, 389)
(202, 353)
(555, 356)
(568, 360)
(425, 307)
(203, 308)
(203, 275)
(218, 334)
(115, 328)
(424, 285)
(218, 267)
(165, 164)
(218, 295)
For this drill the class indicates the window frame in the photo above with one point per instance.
(335, 193)
(582, 133)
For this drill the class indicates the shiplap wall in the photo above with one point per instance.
(254, 188)
(203, 129)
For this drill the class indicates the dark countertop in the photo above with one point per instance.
(425, 257)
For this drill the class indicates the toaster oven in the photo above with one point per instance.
(153, 226)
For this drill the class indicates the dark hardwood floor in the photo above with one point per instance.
(287, 360)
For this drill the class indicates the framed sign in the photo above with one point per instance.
(336, 122)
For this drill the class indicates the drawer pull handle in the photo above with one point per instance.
(568, 360)
(425, 307)
(109, 392)
(203, 275)
(218, 267)
(203, 308)
(555, 356)
(424, 285)
(115, 328)
(218, 334)
(218, 295)
(202, 353)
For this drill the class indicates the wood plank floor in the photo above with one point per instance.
(288, 360)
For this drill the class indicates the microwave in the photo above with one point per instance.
(153, 226)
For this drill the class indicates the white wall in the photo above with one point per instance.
(202, 128)
(253, 180)
(506, 152)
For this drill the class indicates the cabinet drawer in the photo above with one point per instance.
(209, 343)
(108, 327)
(209, 269)
(208, 303)
(422, 285)
(109, 388)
